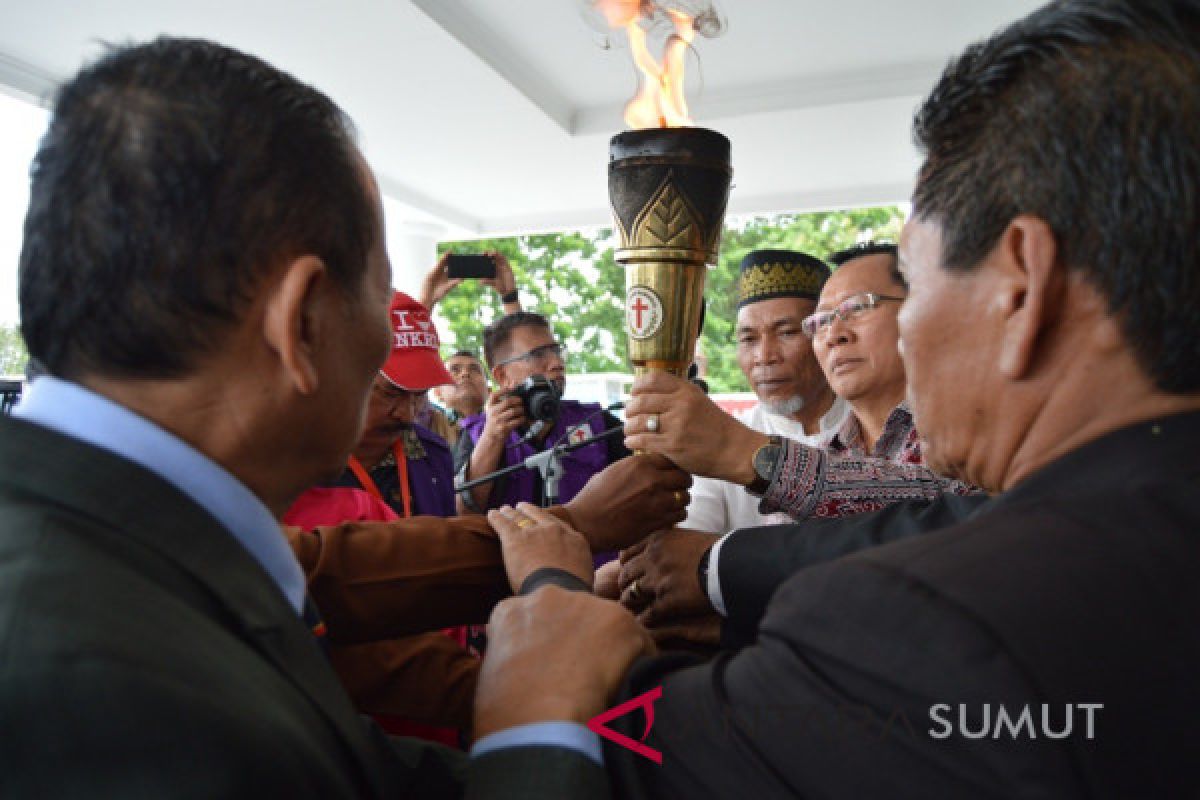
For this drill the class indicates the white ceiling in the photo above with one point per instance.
(489, 123)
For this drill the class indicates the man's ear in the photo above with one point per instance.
(291, 322)
(1030, 290)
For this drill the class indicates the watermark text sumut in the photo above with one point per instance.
(856, 721)
(848, 721)
(986, 721)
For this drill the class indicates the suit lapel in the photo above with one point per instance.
(139, 506)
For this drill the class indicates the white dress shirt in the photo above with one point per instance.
(721, 507)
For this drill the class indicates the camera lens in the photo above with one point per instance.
(546, 407)
(540, 397)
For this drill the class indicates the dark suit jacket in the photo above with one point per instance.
(146, 654)
(1079, 586)
(755, 562)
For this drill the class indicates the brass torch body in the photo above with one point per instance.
(668, 188)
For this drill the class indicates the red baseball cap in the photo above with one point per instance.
(414, 362)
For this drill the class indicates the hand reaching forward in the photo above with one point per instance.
(532, 538)
(630, 499)
(669, 415)
(554, 655)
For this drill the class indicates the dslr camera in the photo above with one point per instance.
(539, 397)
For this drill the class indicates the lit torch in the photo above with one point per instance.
(668, 186)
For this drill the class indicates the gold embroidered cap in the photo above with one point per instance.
(765, 274)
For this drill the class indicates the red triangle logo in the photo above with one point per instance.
(596, 724)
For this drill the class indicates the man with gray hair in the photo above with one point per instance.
(776, 290)
(1045, 645)
(204, 278)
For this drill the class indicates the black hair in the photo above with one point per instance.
(861, 250)
(1086, 114)
(464, 354)
(176, 176)
(864, 249)
(497, 335)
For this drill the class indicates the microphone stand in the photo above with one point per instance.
(548, 463)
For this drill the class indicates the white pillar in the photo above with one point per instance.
(412, 248)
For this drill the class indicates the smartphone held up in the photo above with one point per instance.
(470, 265)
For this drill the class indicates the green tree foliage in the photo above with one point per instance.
(13, 355)
(570, 278)
(573, 279)
(818, 234)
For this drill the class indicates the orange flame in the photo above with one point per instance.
(659, 102)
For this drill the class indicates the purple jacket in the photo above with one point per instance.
(430, 479)
(578, 466)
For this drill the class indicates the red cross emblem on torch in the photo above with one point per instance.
(643, 312)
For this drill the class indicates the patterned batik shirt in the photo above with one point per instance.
(844, 479)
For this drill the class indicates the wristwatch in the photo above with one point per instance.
(766, 464)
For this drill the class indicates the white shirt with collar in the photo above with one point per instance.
(729, 507)
(719, 506)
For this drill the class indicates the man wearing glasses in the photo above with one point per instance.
(518, 346)
(776, 291)
(872, 461)
(398, 461)
(854, 336)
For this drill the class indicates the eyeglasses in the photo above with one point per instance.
(391, 395)
(853, 307)
(538, 356)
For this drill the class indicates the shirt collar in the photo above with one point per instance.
(80, 413)
(828, 425)
(848, 435)
(895, 428)
(834, 418)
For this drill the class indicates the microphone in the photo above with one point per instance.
(535, 430)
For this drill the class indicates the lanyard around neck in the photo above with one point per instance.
(364, 478)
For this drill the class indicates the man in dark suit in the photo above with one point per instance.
(686, 576)
(203, 277)
(1047, 645)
